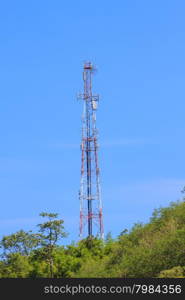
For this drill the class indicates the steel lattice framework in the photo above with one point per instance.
(91, 218)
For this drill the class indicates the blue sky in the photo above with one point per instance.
(138, 48)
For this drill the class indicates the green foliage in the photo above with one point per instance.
(15, 266)
(51, 232)
(20, 242)
(175, 272)
(155, 249)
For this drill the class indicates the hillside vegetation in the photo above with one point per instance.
(155, 249)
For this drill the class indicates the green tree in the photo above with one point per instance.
(51, 233)
(16, 266)
(20, 242)
(175, 272)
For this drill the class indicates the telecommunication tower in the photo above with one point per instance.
(91, 218)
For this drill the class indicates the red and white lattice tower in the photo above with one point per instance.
(91, 218)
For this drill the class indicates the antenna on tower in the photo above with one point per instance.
(91, 217)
